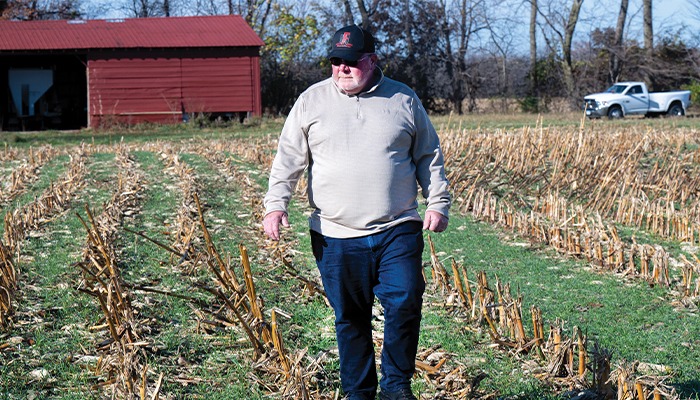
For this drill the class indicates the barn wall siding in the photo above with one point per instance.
(217, 85)
(161, 89)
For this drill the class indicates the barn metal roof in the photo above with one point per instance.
(171, 32)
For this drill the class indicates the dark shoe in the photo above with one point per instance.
(402, 394)
(360, 396)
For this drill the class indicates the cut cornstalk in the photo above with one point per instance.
(538, 330)
(516, 306)
(458, 284)
(581, 353)
(279, 346)
(212, 248)
(252, 296)
(640, 391)
(557, 338)
(468, 288)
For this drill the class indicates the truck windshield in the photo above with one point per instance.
(616, 89)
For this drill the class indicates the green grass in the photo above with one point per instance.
(50, 172)
(215, 360)
(140, 133)
(633, 320)
(53, 315)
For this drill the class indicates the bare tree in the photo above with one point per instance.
(648, 41)
(349, 17)
(502, 40)
(566, 47)
(458, 31)
(144, 8)
(533, 49)
(141, 8)
(563, 29)
(408, 27)
(648, 28)
(617, 49)
(367, 12)
(39, 10)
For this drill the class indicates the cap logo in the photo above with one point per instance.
(344, 41)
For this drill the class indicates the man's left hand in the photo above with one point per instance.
(434, 221)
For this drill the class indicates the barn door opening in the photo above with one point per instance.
(43, 92)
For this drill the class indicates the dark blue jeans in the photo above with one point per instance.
(389, 265)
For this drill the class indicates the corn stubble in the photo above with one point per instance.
(572, 189)
(26, 173)
(121, 366)
(567, 363)
(578, 223)
(21, 222)
(235, 303)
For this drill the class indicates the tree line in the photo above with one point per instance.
(453, 53)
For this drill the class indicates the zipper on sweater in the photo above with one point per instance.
(359, 113)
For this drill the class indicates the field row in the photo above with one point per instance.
(591, 194)
(168, 266)
(105, 227)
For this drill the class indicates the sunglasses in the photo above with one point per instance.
(337, 61)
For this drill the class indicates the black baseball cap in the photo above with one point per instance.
(351, 42)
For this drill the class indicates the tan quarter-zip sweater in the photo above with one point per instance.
(366, 154)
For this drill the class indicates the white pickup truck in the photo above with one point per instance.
(633, 98)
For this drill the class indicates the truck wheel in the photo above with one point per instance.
(675, 111)
(615, 112)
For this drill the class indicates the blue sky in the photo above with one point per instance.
(667, 14)
(671, 9)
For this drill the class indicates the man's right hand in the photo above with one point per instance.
(271, 224)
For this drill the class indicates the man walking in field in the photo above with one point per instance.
(367, 143)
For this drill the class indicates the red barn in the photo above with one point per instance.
(72, 74)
